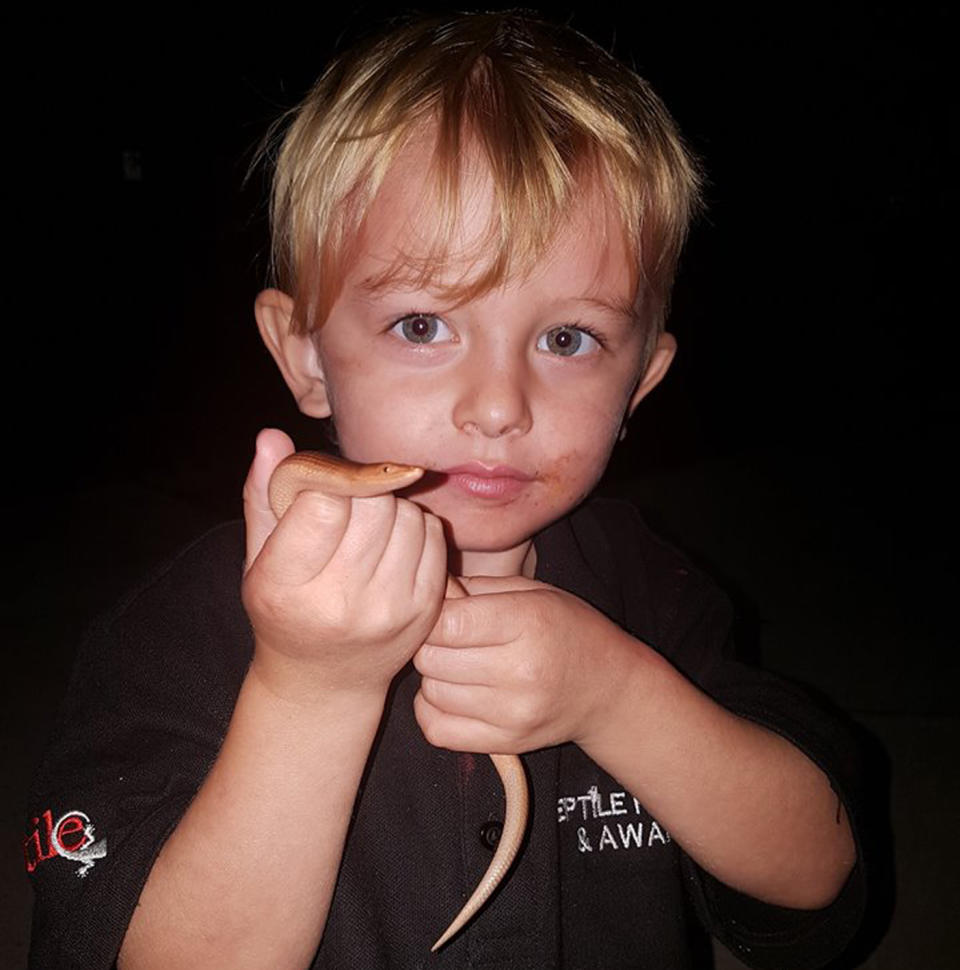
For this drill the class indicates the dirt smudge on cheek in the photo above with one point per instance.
(567, 480)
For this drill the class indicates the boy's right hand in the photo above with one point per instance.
(341, 592)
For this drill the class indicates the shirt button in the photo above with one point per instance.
(490, 833)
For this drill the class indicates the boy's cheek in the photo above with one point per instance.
(572, 476)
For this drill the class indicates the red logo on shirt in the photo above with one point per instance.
(71, 836)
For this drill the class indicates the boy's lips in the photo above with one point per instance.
(479, 470)
(487, 481)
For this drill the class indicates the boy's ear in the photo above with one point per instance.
(295, 355)
(659, 364)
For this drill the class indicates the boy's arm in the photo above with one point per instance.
(746, 804)
(246, 878)
(536, 666)
(339, 594)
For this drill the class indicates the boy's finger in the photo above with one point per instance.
(486, 585)
(401, 556)
(373, 524)
(306, 539)
(272, 446)
(459, 733)
(467, 665)
(433, 559)
(477, 701)
(474, 621)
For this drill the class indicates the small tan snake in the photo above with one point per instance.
(315, 471)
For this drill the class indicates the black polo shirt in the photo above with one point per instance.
(598, 883)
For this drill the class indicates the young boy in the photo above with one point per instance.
(477, 222)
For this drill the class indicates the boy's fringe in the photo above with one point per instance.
(549, 113)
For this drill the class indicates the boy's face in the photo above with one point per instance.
(515, 399)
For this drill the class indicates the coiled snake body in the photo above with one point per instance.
(311, 470)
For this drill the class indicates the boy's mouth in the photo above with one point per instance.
(484, 481)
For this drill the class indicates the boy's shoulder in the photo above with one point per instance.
(202, 569)
(199, 584)
(181, 630)
(151, 693)
(630, 537)
(639, 579)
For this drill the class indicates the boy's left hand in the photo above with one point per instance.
(518, 665)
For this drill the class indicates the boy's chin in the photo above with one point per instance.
(495, 533)
(488, 552)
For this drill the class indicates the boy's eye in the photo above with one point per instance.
(421, 328)
(568, 342)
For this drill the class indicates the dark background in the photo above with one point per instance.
(802, 448)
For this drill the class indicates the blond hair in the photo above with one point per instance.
(550, 113)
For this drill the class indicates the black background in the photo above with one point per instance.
(814, 308)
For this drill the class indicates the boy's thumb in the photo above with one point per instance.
(272, 446)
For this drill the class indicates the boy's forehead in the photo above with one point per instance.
(412, 238)
(410, 213)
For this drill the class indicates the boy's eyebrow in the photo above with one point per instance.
(622, 307)
(377, 283)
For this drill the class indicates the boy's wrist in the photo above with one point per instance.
(628, 678)
(310, 686)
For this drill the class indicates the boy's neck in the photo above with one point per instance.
(519, 561)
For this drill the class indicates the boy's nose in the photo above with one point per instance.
(494, 404)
